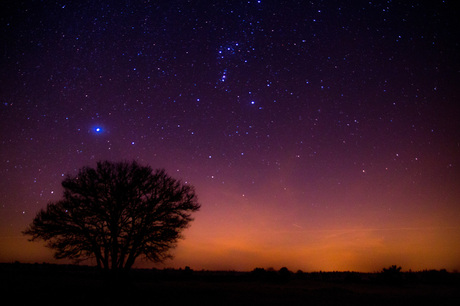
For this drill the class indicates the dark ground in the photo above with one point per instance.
(39, 284)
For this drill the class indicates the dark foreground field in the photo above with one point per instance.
(23, 284)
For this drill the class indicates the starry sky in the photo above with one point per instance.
(319, 135)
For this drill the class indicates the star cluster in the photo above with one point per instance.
(298, 122)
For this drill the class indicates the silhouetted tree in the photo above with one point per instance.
(116, 213)
(392, 270)
(284, 274)
(392, 275)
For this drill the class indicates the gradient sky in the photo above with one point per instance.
(319, 135)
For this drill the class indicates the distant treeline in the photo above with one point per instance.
(392, 275)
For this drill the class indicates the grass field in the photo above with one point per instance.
(24, 284)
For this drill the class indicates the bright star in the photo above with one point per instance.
(97, 130)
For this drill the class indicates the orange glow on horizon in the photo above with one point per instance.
(364, 250)
(231, 232)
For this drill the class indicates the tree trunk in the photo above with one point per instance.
(129, 262)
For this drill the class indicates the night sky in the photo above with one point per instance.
(319, 135)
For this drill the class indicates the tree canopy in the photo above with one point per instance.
(116, 213)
